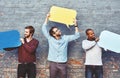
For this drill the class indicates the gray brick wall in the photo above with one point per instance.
(96, 14)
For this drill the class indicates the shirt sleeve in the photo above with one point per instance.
(72, 37)
(45, 32)
(31, 48)
(88, 45)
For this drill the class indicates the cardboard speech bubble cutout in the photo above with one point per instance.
(62, 15)
(109, 40)
(9, 39)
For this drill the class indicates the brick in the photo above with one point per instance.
(96, 14)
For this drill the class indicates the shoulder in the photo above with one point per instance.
(35, 40)
(85, 41)
(64, 37)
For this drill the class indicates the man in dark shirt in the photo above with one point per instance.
(26, 54)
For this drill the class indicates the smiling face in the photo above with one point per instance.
(90, 35)
(57, 32)
(27, 33)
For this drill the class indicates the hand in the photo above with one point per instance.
(48, 15)
(96, 39)
(105, 49)
(22, 40)
(1, 55)
(75, 22)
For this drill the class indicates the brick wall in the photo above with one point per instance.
(96, 14)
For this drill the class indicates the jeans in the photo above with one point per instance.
(28, 69)
(93, 71)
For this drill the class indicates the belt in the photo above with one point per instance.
(58, 62)
(27, 63)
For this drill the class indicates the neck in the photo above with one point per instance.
(90, 39)
(29, 39)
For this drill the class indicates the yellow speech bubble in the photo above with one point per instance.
(62, 15)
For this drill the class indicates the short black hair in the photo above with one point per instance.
(51, 32)
(88, 30)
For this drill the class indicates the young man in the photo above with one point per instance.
(26, 54)
(93, 60)
(58, 49)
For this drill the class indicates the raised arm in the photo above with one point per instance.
(47, 18)
(74, 36)
(76, 26)
(44, 29)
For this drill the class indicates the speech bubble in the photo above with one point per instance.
(110, 41)
(62, 15)
(9, 39)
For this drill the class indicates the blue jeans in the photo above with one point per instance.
(93, 71)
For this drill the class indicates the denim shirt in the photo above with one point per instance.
(58, 48)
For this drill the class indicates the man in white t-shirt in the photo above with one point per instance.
(93, 59)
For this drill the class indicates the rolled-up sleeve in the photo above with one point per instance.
(72, 37)
(45, 32)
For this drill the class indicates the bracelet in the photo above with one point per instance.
(76, 26)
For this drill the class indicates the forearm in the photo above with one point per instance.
(44, 30)
(76, 29)
(76, 26)
(46, 20)
(88, 45)
(45, 24)
(30, 48)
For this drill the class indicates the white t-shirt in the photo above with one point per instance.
(93, 53)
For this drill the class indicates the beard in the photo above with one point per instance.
(27, 36)
(94, 38)
(58, 35)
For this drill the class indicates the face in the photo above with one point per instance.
(91, 35)
(57, 32)
(27, 33)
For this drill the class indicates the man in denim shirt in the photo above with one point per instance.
(58, 48)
